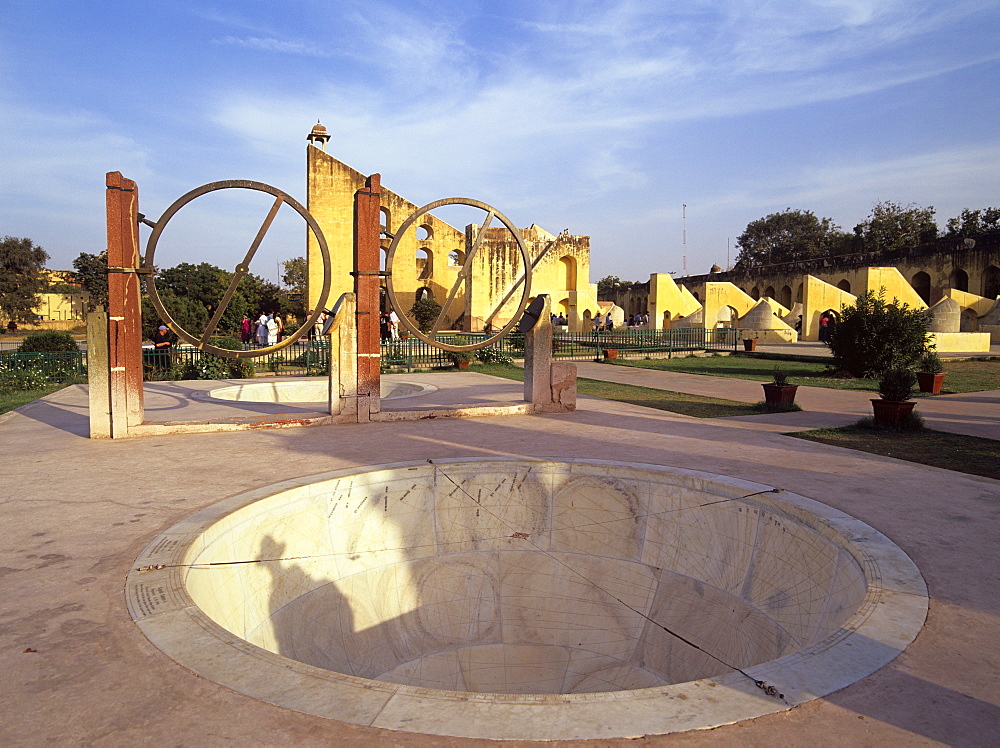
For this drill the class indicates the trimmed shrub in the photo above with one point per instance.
(48, 341)
(897, 384)
(930, 363)
(22, 380)
(874, 336)
(493, 356)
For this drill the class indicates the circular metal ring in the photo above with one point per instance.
(242, 268)
(465, 271)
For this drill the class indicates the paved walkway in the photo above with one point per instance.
(813, 348)
(975, 413)
(75, 514)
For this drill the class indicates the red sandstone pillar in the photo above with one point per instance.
(124, 306)
(367, 248)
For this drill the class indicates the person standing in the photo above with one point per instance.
(272, 329)
(161, 345)
(824, 327)
(245, 331)
(383, 327)
(262, 329)
(281, 326)
(393, 324)
(609, 324)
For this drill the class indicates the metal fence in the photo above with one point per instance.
(55, 366)
(309, 357)
(413, 353)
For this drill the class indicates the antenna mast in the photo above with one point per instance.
(684, 237)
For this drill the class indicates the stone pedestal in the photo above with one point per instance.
(538, 358)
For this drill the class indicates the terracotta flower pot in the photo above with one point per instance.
(930, 382)
(750, 345)
(891, 412)
(779, 394)
(611, 354)
(463, 364)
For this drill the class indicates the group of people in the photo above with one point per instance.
(267, 329)
(388, 325)
(605, 322)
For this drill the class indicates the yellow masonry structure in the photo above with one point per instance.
(428, 259)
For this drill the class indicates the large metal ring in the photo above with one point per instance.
(464, 274)
(241, 269)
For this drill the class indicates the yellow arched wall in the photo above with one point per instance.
(562, 273)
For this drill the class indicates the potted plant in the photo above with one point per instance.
(750, 344)
(894, 389)
(460, 359)
(930, 373)
(611, 354)
(778, 391)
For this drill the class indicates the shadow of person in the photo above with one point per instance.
(310, 619)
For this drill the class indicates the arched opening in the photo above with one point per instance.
(456, 258)
(844, 285)
(588, 319)
(769, 292)
(425, 264)
(385, 222)
(991, 282)
(959, 280)
(568, 268)
(755, 293)
(423, 293)
(563, 307)
(921, 283)
(727, 317)
(696, 296)
(424, 233)
(381, 258)
(969, 321)
(798, 293)
(786, 297)
(667, 321)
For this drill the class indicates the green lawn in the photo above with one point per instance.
(675, 402)
(965, 454)
(961, 376)
(11, 400)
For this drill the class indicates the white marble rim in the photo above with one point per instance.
(886, 622)
(220, 394)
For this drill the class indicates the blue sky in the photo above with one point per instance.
(600, 117)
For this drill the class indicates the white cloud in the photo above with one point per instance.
(270, 44)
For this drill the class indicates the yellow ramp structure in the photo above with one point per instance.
(895, 285)
(817, 297)
(718, 296)
(667, 301)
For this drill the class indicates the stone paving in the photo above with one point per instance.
(76, 513)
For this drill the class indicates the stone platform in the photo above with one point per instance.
(76, 514)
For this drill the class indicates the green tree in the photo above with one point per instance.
(22, 279)
(609, 285)
(788, 236)
(91, 272)
(874, 336)
(205, 285)
(187, 313)
(973, 223)
(425, 312)
(891, 226)
(296, 275)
